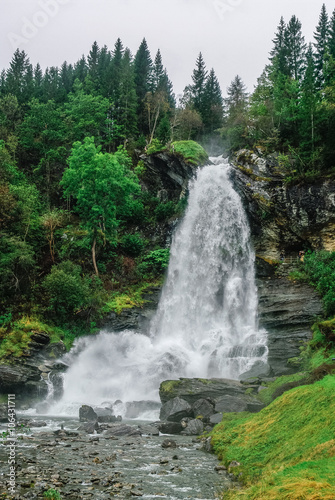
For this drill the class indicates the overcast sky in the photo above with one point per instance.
(235, 36)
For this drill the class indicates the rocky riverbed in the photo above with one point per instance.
(110, 464)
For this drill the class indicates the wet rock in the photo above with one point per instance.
(194, 428)
(57, 381)
(259, 369)
(216, 418)
(150, 430)
(3, 412)
(228, 404)
(175, 409)
(287, 311)
(36, 423)
(170, 427)
(122, 430)
(89, 427)
(169, 443)
(104, 415)
(203, 408)
(22, 380)
(87, 414)
(193, 389)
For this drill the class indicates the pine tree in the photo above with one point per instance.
(235, 114)
(143, 80)
(213, 103)
(80, 70)
(279, 52)
(158, 72)
(16, 75)
(331, 41)
(295, 47)
(199, 78)
(38, 81)
(92, 63)
(105, 71)
(321, 36)
(308, 105)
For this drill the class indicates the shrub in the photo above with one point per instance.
(66, 289)
(165, 210)
(132, 244)
(320, 268)
(155, 262)
(191, 151)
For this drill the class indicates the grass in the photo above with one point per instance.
(130, 297)
(17, 340)
(191, 151)
(287, 451)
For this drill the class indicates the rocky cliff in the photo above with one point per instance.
(284, 216)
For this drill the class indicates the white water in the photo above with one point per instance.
(206, 322)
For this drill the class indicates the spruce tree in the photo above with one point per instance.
(213, 104)
(199, 78)
(308, 105)
(321, 36)
(158, 72)
(143, 81)
(295, 48)
(16, 75)
(331, 41)
(92, 63)
(279, 52)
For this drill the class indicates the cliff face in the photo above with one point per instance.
(283, 216)
(291, 218)
(167, 175)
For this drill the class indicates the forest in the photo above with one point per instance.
(76, 226)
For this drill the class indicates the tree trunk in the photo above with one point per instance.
(93, 257)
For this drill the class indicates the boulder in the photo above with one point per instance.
(89, 427)
(150, 430)
(169, 443)
(203, 408)
(22, 380)
(194, 427)
(105, 415)
(216, 418)
(122, 430)
(258, 369)
(87, 414)
(230, 404)
(175, 409)
(193, 389)
(170, 427)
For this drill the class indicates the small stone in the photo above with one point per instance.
(136, 493)
(164, 461)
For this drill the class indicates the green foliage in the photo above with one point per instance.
(321, 271)
(154, 147)
(18, 336)
(287, 450)
(132, 244)
(52, 494)
(154, 263)
(68, 292)
(191, 151)
(164, 211)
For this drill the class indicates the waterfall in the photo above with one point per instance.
(206, 322)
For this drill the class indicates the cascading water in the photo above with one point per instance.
(206, 322)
